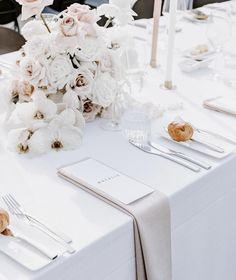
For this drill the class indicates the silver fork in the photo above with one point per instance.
(16, 209)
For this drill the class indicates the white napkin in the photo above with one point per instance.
(222, 104)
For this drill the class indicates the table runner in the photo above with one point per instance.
(152, 230)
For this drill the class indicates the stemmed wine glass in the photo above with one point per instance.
(113, 123)
(218, 33)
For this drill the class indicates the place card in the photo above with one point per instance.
(96, 175)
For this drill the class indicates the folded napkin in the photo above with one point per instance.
(152, 230)
(222, 104)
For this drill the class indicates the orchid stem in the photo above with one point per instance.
(108, 22)
(44, 22)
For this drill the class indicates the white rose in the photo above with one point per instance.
(60, 70)
(90, 49)
(33, 71)
(90, 110)
(33, 7)
(104, 90)
(83, 13)
(36, 47)
(33, 29)
(83, 83)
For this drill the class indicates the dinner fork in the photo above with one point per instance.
(16, 209)
(150, 150)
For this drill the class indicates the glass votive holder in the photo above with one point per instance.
(136, 126)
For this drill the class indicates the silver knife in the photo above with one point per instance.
(66, 245)
(208, 145)
(226, 139)
(148, 149)
(180, 155)
(39, 247)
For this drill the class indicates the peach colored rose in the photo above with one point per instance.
(33, 71)
(68, 26)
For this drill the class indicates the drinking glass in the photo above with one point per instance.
(218, 33)
(113, 123)
(136, 126)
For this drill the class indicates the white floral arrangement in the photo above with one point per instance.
(69, 72)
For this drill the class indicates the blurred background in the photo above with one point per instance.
(10, 22)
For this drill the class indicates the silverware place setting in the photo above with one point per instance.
(172, 152)
(16, 209)
(175, 156)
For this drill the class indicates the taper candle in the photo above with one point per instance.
(156, 19)
(171, 42)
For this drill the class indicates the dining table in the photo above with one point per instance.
(202, 204)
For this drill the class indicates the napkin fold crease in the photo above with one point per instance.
(152, 230)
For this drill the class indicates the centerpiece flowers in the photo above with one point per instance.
(69, 72)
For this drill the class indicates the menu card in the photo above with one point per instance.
(97, 175)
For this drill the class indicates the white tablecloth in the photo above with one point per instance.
(202, 205)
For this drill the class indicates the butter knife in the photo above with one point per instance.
(226, 139)
(199, 130)
(208, 145)
(148, 149)
(180, 155)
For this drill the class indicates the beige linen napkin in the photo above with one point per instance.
(152, 229)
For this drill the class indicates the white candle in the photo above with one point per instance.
(156, 18)
(171, 43)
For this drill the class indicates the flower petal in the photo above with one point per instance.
(71, 137)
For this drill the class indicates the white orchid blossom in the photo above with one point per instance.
(58, 135)
(41, 108)
(118, 10)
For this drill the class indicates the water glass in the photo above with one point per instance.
(136, 126)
